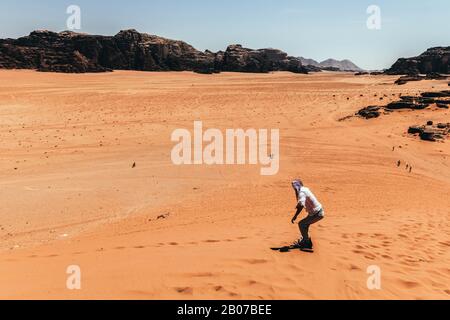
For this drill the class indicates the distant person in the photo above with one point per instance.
(306, 200)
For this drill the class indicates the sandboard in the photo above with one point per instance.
(290, 248)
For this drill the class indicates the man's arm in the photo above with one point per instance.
(299, 210)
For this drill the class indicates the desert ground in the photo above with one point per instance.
(70, 196)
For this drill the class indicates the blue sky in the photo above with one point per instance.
(318, 29)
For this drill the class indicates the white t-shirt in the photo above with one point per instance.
(309, 201)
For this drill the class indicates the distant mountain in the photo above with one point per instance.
(434, 60)
(309, 62)
(344, 65)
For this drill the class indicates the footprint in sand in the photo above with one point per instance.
(201, 275)
(353, 267)
(446, 244)
(408, 284)
(211, 241)
(256, 261)
(185, 290)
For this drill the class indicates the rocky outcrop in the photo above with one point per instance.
(240, 59)
(405, 79)
(431, 76)
(434, 60)
(430, 131)
(74, 52)
(406, 105)
(131, 50)
(366, 73)
(49, 51)
(439, 94)
(440, 99)
(370, 112)
(311, 68)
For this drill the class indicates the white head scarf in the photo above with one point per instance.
(297, 185)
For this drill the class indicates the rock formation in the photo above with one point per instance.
(431, 76)
(441, 99)
(430, 131)
(240, 59)
(370, 112)
(434, 60)
(131, 50)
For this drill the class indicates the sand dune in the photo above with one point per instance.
(70, 194)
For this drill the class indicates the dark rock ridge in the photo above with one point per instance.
(434, 60)
(416, 77)
(130, 50)
(366, 73)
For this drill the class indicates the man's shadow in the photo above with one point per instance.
(288, 249)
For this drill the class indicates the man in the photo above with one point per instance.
(306, 200)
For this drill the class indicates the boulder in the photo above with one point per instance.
(428, 135)
(370, 112)
(415, 130)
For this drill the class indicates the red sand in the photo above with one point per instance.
(70, 196)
